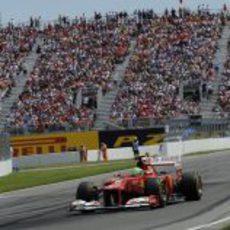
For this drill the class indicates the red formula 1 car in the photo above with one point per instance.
(154, 183)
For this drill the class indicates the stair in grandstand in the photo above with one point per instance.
(8, 102)
(207, 105)
(104, 106)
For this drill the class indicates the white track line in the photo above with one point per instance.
(211, 224)
(10, 196)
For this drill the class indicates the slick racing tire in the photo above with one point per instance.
(191, 186)
(87, 191)
(154, 187)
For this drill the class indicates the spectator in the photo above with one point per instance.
(103, 152)
(135, 147)
(83, 153)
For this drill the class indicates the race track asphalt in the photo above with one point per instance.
(46, 207)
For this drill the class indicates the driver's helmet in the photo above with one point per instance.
(136, 171)
(146, 160)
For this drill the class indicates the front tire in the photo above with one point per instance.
(87, 191)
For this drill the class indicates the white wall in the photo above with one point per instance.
(192, 146)
(122, 153)
(171, 148)
(5, 167)
(46, 159)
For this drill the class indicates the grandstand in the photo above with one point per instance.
(171, 54)
(223, 107)
(114, 71)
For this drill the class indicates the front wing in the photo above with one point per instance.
(145, 201)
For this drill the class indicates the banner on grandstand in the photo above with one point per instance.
(53, 143)
(124, 138)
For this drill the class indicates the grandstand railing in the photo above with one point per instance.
(54, 128)
(198, 127)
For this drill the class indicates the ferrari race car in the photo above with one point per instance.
(154, 183)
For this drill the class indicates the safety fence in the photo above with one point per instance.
(205, 126)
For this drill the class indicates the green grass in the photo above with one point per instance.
(226, 228)
(69, 165)
(26, 179)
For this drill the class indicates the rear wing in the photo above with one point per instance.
(164, 161)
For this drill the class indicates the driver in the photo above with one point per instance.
(144, 163)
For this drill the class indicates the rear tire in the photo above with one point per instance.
(87, 191)
(191, 186)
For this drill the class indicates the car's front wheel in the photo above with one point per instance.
(87, 191)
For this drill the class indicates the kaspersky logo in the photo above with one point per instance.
(30, 146)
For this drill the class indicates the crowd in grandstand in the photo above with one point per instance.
(72, 56)
(15, 44)
(224, 91)
(170, 51)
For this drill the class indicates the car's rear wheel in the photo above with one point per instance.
(191, 186)
(153, 187)
(87, 191)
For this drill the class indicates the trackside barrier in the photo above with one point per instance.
(62, 148)
(5, 154)
(174, 148)
(202, 145)
(28, 145)
(171, 148)
(5, 167)
(46, 159)
(124, 138)
(62, 142)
